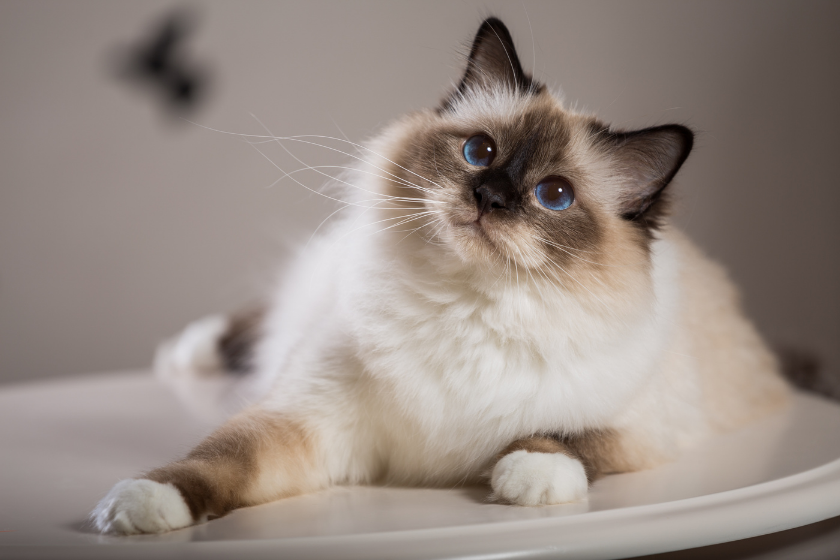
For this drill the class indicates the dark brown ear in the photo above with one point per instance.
(493, 60)
(646, 162)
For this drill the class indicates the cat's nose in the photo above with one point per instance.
(488, 199)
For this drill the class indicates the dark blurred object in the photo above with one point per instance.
(805, 371)
(159, 63)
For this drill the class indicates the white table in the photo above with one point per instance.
(64, 443)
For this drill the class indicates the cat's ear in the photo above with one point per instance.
(493, 60)
(644, 163)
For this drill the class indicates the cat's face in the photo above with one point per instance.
(514, 178)
(509, 175)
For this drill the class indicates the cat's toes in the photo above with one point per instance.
(535, 479)
(141, 506)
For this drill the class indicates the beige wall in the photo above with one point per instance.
(118, 225)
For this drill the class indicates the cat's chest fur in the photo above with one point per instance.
(461, 365)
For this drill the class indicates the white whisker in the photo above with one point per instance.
(304, 186)
(272, 138)
(602, 302)
(412, 216)
(316, 167)
(565, 249)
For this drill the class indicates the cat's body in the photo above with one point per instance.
(511, 336)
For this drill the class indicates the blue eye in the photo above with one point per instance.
(555, 193)
(479, 150)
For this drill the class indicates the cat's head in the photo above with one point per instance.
(508, 174)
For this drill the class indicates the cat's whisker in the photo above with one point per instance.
(306, 187)
(533, 41)
(581, 284)
(347, 138)
(307, 166)
(566, 246)
(405, 221)
(412, 216)
(300, 160)
(510, 274)
(528, 270)
(517, 271)
(398, 181)
(297, 138)
(410, 232)
(498, 255)
(566, 250)
(550, 282)
(598, 279)
(311, 237)
(436, 233)
(402, 182)
(536, 285)
(595, 278)
(547, 279)
(539, 284)
(560, 245)
(363, 147)
(510, 60)
(364, 225)
(360, 203)
(435, 223)
(280, 143)
(339, 180)
(363, 212)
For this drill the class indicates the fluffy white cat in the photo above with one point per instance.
(504, 300)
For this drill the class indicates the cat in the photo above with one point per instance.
(504, 301)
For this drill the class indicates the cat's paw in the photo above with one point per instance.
(536, 479)
(141, 506)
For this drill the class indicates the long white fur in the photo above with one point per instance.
(424, 373)
(411, 365)
(419, 367)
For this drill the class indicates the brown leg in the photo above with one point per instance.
(256, 457)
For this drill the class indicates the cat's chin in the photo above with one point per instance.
(476, 229)
(474, 244)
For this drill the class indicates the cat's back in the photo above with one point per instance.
(739, 376)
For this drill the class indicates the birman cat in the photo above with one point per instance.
(503, 301)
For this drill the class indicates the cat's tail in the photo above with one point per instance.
(210, 364)
(804, 371)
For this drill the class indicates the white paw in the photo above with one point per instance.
(195, 351)
(141, 506)
(537, 479)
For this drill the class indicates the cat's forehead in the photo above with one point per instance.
(508, 112)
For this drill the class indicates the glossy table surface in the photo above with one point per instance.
(64, 443)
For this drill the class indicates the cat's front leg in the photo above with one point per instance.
(256, 457)
(544, 470)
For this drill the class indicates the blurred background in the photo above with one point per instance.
(123, 216)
